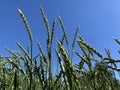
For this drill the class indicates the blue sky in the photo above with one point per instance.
(99, 22)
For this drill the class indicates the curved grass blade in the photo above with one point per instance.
(117, 40)
(23, 50)
(10, 51)
(75, 37)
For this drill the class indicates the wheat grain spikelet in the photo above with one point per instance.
(47, 26)
(26, 24)
(81, 41)
(64, 31)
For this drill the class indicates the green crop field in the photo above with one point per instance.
(22, 71)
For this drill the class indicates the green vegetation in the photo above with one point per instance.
(22, 71)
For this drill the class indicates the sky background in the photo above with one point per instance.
(99, 22)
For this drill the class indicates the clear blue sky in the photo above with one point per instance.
(99, 21)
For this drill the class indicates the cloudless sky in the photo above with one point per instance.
(99, 22)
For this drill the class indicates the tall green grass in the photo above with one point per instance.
(23, 71)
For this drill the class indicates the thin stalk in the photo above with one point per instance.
(15, 80)
(4, 85)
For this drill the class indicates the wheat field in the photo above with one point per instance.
(23, 71)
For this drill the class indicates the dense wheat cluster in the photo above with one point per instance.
(22, 71)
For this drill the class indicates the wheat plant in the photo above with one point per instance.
(23, 71)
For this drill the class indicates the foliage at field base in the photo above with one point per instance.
(23, 71)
